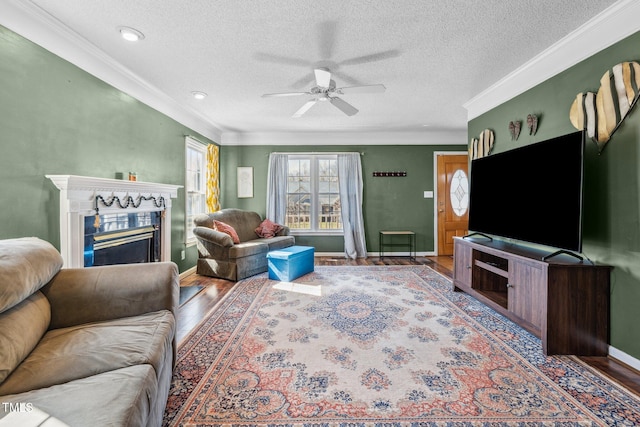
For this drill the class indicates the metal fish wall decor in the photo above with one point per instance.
(481, 146)
(602, 113)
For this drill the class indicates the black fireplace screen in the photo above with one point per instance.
(122, 238)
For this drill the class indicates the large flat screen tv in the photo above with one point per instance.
(532, 193)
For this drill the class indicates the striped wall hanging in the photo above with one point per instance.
(481, 146)
(602, 113)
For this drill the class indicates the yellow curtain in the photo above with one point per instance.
(213, 178)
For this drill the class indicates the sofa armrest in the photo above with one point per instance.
(284, 232)
(213, 236)
(81, 295)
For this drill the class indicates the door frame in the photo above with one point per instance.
(435, 192)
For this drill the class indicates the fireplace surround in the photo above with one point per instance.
(82, 197)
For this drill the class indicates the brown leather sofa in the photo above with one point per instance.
(220, 257)
(86, 347)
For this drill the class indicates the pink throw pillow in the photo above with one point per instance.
(227, 229)
(268, 228)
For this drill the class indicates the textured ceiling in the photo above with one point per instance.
(432, 56)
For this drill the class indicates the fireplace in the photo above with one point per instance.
(122, 238)
(110, 221)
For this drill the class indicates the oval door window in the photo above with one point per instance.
(459, 192)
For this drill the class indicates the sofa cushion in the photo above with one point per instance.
(280, 242)
(26, 265)
(21, 328)
(122, 397)
(76, 352)
(225, 228)
(268, 228)
(244, 222)
(252, 247)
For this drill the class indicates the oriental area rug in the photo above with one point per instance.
(378, 346)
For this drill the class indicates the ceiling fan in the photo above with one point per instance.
(326, 90)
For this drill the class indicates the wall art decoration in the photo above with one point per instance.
(602, 113)
(481, 146)
(401, 174)
(514, 129)
(532, 124)
(245, 181)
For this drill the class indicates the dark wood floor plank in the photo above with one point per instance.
(195, 309)
(616, 370)
(191, 313)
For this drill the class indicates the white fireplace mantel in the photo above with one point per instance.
(78, 199)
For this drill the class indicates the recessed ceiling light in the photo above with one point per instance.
(130, 34)
(198, 95)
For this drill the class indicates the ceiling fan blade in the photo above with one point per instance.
(271, 95)
(343, 106)
(304, 108)
(304, 81)
(379, 56)
(323, 77)
(362, 89)
(327, 38)
(279, 59)
(347, 78)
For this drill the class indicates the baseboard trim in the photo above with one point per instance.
(331, 254)
(623, 357)
(187, 272)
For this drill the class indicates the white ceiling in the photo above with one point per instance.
(432, 56)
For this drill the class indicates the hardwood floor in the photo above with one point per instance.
(197, 305)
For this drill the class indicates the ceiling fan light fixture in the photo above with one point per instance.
(325, 90)
(198, 95)
(323, 77)
(130, 34)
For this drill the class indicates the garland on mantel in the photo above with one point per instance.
(129, 201)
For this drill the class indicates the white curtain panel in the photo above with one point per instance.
(350, 182)
(277, 187)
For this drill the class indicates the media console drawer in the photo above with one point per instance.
(563, 301)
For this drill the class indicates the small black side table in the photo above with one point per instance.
(410, 243)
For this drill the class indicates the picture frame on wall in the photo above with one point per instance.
(245, 181)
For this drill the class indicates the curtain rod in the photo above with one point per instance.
(302, 153)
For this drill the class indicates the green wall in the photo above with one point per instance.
(612, 197)
(388, 203)
(57, 119)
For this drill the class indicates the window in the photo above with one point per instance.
(195, 184)
(459, 192)
(313, 199)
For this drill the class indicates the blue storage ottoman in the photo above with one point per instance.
(290, 263)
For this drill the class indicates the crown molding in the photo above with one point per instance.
(431, 137)
(30, 21)
(615, 23)
(25, 18)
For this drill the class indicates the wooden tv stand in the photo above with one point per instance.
(563, 301)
